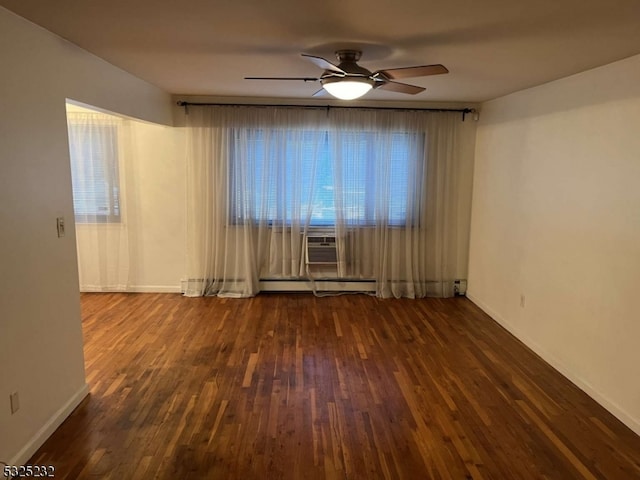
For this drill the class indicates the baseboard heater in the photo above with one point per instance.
(305, 285)
(326, 285)
(337, 285)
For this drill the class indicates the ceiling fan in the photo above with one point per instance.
(348, 80)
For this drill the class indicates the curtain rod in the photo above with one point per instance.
(464, 111)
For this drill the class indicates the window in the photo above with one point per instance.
(361, 177)
(93, 149)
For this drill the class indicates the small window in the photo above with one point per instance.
(93, 149)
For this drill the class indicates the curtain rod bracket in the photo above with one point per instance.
(466, 111)
(184, 104)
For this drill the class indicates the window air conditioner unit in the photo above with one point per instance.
(321, 250)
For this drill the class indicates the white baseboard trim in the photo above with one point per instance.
(154, 289)
(611, 406)
(49, 427)
(134, 289)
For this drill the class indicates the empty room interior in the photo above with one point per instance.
(329, 239)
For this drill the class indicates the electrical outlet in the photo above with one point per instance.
(60, 222)
(15, 402)
(522, 300)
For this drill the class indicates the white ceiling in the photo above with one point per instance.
(206, 47)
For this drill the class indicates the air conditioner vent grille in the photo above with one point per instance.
(321, 250)
(316, 240)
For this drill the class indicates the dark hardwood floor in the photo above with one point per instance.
(292, 386)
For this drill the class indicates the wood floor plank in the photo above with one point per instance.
(290, 386)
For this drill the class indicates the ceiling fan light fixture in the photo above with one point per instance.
(348, 89)
(348, 80)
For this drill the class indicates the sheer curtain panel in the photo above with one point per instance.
(393, 187)
(98, 147)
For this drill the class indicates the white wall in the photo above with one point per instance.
(157, 213)
(556, 219)
(40, 333)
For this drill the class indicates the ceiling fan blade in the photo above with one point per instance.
(401, 87)
(320, 93)
(409, 72)
(305, 79)
(323, 63)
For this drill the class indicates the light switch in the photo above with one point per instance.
(15, 402)
(60, 226)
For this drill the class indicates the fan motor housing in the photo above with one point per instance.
(348, 59)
